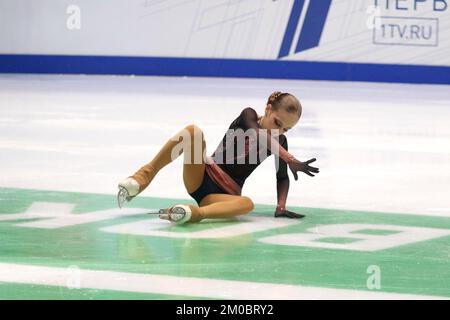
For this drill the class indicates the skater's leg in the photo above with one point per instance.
(216, 206)
(194, 167)
(187, 140)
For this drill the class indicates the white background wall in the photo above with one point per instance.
(251, 29)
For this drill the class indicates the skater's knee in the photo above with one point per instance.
(196, 137)
(247, 204)
(193, 129)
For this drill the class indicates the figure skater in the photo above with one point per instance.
(216, 182)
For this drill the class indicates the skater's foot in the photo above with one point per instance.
(128, 189)
(178, 213)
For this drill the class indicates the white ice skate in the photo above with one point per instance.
(178, 213)
(128, 189)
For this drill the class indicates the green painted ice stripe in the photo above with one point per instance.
(186, 286)
(419, 268)
(18, 291)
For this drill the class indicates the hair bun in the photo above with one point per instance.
(274, 96)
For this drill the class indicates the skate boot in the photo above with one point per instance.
(132, 186)
(178, 213)
(128, 189)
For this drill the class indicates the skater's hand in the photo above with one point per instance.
(283, 213)
(296, 165)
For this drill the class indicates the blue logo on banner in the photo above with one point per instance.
(312, 28)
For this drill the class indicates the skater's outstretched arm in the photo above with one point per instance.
(283, 186)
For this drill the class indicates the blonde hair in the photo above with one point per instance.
(285, 100)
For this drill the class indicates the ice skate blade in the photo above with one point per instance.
(123, 196)
(174, 215)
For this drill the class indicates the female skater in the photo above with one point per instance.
(215, 182)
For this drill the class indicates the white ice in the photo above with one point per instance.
(380, 147)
